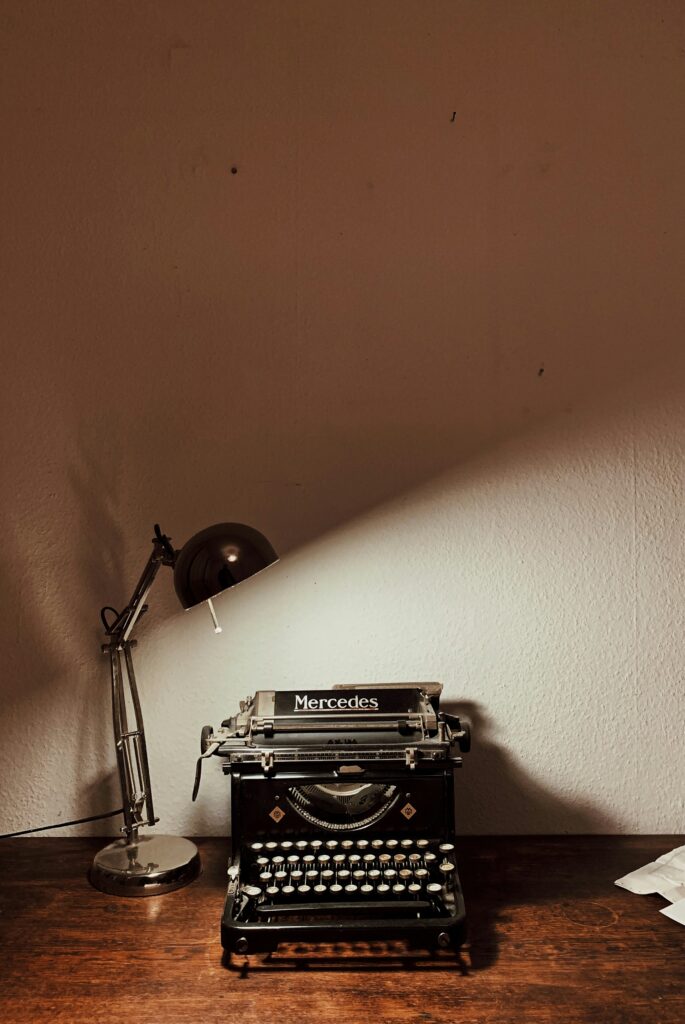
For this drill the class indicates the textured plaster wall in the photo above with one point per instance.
(428, 337)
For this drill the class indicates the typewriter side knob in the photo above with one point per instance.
(241, 945)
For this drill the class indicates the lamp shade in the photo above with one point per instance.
(217, 558)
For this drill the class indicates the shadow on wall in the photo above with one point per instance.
(494, 793)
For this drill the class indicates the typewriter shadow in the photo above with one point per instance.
(495, 799)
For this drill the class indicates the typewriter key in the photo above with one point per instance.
(359, 875)
(320, 889)
(421, 873)
(429, 858)
(327, 875)
(311, 875)
(257, 847)
(335, 888)
(414, 888)
(382, 888)
(369, 858)
(271, 845)
(323, 858)
(384, 858)
(405, 873)
(399, 858)
(253, 891)
(389, 874)
(265, 876)
(287, 845)
(376, 843)
(309, 858)
(366, 888)
(272, 890)
(293, 858)
(331, 844)
(422, 843)
(288, 890)
(354, 858)
(297, 876)
(434, 888)
(280, 876)
(301, 844)
(406, 843)
(278, 860)
(343, 873)
(262, 861)
(304, 888)
(414, 858)
(362, 844)
(350, 887)
(316, 844)
(446, 867)
(392, 844)
(446, 847)
(374, 874)
(398, 888)
(339, 858)
(347, 844)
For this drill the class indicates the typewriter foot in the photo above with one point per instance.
(241, 945)
(443, 940)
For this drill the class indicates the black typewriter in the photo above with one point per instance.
(342, 807)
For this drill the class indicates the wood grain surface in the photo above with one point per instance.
(550, 939)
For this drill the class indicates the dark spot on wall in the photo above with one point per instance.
(541, 371)
(234, 170)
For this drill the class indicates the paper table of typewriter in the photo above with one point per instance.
(342, 817)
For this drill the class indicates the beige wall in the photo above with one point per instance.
(437, 359)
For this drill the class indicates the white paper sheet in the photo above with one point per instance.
(665, 876)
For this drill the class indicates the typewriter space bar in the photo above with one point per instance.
(336, 907)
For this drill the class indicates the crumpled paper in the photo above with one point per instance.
(665, 876)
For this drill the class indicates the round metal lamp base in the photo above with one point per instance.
(150, 866)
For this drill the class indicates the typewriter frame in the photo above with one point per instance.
(420, 765)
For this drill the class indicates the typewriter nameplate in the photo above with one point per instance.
(317, 702)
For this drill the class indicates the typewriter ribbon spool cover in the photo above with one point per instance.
(342, 817)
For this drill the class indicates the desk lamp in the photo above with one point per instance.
(212, 561)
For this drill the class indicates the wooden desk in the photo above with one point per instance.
(551, 939)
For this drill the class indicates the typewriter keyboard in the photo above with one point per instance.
(316, 874)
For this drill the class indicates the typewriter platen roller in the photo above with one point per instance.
(342, 806)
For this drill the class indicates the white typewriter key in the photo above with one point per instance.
(413, 887)
(389, 874)
(335, 888)
(433, 888)
(405, 873)
(347, 844)
(309, 858)
(327, 875)
(376, 843)
(359, 875)
(262, 861)
(278, 860)
(316, 844)
(354, 858)
(319, 889)
(323, 858)
(422, 843)
(271, 845)
(253, 891)
(384, 858)
(350, 887)
(343, 873)
(446, 867)
(311, 875)
(366, 888)
(399, 858)
(256, 847)
(406, 843)
(362, 844)
(288, 890)
(429, 858)
(374, 874)
(392, 844)
(266, 876)
(339, 858)
(280, 876)
(301, 844)
(414, 858)
(382, 888)
(398, 888)
(421, 873)
(297, 876)
(272, 890)
(331, 844)
(446, 847)
(369, 858)
(293, 858)
(287, 845)
(304, 888)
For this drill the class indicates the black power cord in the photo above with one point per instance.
(63, 824)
